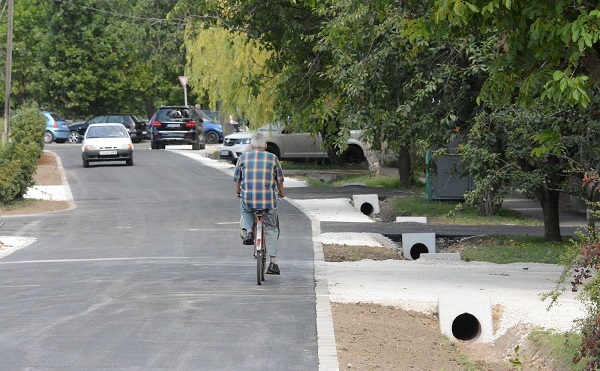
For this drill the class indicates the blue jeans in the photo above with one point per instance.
(270, 223)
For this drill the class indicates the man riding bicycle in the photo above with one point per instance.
(259, 178)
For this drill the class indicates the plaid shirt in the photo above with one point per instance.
(260, 172)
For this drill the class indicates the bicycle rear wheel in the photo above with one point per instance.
(260, 253)
(264, 254)
(260, 267)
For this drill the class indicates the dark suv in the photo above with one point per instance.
(136, 127)
(176, 125)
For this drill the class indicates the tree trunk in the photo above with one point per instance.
(405, 167)
(549, 201)
(372, 156)
(489, 205)
(150, 108)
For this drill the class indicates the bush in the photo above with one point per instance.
(582, 271)
(20, 155)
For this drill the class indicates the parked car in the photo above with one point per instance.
(176, 125)
(137, 128)
(289, 146)
(213, 132)
(106, 142)
(57, 129)
(210, 115)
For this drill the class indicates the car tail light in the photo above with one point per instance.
(157, 124)
(190, 124)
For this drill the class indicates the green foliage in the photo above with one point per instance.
(91, 56)
(513, 249)
(19, 156)
(561, 347)
(444, 212)
(581, 267)
(545, 49)
(232, 71)
(407, 92)
(534, 150)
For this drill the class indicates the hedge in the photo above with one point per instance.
(19, 156)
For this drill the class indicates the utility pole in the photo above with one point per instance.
(9, 34)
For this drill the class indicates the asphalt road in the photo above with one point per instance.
(148, 273)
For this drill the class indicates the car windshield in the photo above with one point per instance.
(269, 127)
(175, 113)
(112, 131)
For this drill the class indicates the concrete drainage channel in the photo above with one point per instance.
(464, 318)
(414, 245)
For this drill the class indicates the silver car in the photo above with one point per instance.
(289, 146)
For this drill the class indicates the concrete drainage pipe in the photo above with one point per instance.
(466, 318)
(415, 244)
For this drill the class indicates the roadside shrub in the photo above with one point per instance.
(582, 268)
(20, 155)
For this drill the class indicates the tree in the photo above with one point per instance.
(227, 66)
(400, 89)
(27, 42)
(547, 50)
(530, 150)
(286, 30)
(90, 57)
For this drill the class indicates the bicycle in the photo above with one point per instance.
(260, 242)
(260, 248)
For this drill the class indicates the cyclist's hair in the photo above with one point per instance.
(258, 140)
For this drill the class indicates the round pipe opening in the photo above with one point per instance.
(466, 327)
(417, 249)
(366, 208)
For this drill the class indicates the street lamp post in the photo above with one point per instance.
(8, 71)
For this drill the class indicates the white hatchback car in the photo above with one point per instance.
(106, 142)
(289, 146)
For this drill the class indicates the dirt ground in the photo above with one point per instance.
(375, 337)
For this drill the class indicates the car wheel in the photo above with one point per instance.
(74, 137)
(86, 163)
(353, 155)
(211, 137)
(129, 162)
(154, 145)
(48, 137)
(273, 149)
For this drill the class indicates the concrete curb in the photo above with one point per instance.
(327, 348)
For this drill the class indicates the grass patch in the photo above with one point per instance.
(561, 347)
(513, 249)
(366, 180)
(16, 204)
(440, 212)
(318, 165)
(369, 181)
